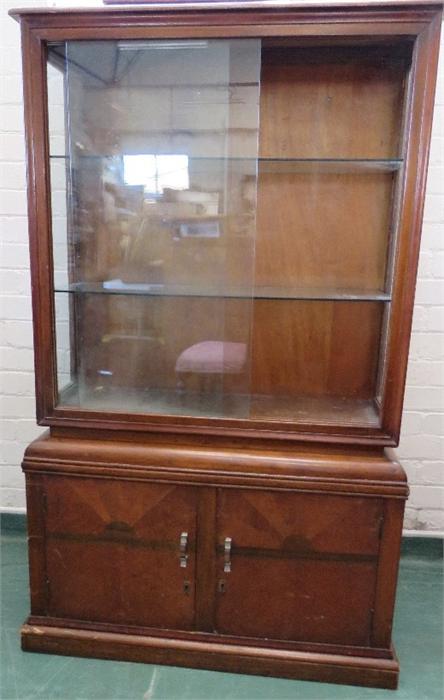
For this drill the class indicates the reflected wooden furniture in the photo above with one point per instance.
(256, 528)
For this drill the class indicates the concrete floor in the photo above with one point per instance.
(418, 640)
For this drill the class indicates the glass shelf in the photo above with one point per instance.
(283, 164)
(326, 165)
(112, 287)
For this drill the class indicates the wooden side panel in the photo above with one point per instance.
(417, 143)
(113, 552)
(35, 506)
(39, 219)
(303, 567)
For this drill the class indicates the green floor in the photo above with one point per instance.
(418, 640)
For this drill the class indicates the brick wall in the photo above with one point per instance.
(421, 448)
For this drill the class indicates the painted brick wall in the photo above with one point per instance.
(421, 449)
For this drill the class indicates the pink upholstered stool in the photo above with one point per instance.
(211, 357)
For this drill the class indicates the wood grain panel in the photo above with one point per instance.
(315, 348)
(35, 508)
(387, 573)
(235, 658)
(328, 230)
(316, 101)
(326, 601)
(299, 524)
(112, 552)
(323, 557)
(306, 524)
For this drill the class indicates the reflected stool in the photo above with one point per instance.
(208, 359)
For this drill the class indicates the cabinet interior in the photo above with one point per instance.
(254, 282)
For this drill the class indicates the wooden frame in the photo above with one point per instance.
(420, 22)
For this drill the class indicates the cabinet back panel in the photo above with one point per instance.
(328, 230)
(316, 348)
(331, 102)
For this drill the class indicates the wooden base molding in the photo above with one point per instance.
(215, 656)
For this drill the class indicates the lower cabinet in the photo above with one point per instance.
(267, 561)
(284, 565)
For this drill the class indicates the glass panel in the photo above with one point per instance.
(225, 248)
(161, 223)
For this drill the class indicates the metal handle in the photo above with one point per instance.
(227, 555)
(183, 544)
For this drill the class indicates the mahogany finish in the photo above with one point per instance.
(267, 543)
(314, 537)
(126, 568)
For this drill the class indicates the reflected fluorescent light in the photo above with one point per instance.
(160, 45)
(156, 172)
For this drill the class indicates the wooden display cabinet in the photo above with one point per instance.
(225, 209)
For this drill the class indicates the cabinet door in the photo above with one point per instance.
(302, 566)
(113, 551)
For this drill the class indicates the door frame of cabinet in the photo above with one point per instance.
(420, 23)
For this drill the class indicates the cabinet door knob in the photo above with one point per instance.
(183, 544)
(227, 554)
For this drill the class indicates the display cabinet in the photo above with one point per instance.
(225, 207)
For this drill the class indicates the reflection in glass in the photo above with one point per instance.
(224, 229)
(156, 172)
(157, 200)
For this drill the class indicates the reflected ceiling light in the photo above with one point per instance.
(160, 45)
